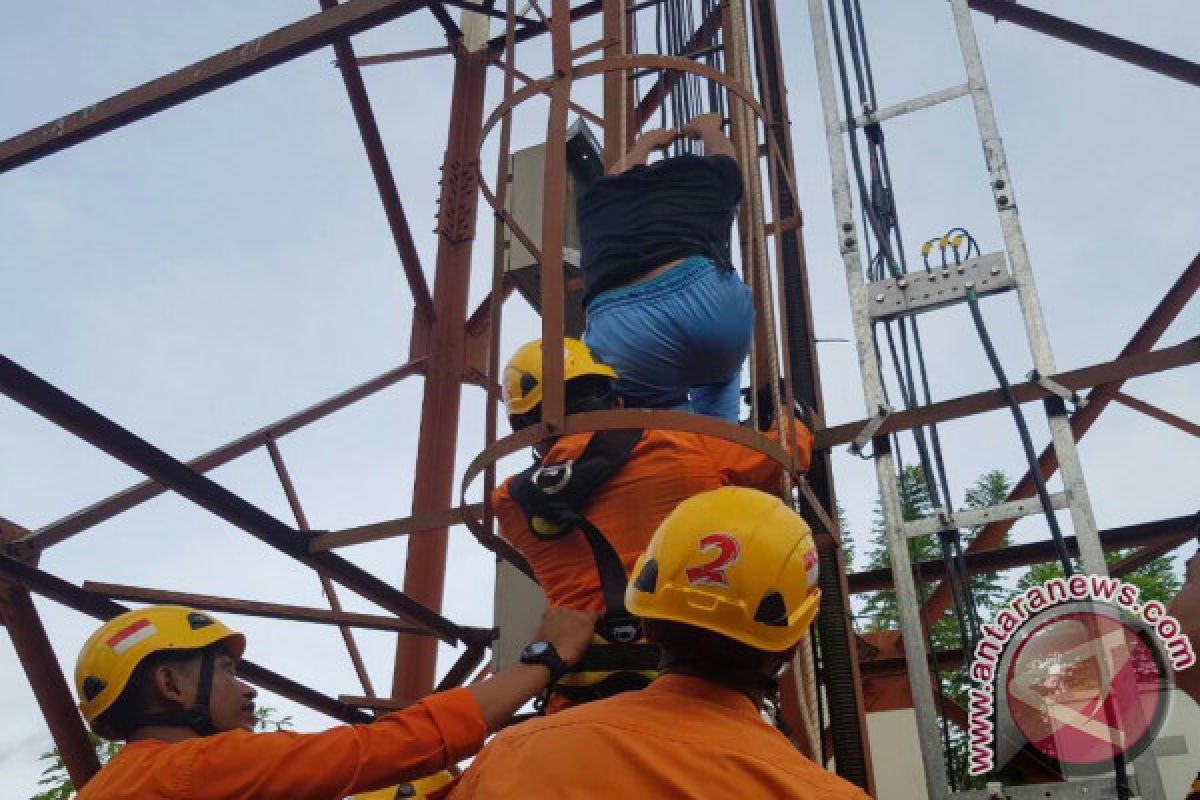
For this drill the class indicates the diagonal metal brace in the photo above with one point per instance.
(870, 429)
(1054, 387)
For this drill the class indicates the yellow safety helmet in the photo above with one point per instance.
(734, 561)
(420, 789)
(112, 653)
(522, 384)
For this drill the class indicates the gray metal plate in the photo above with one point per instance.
(921, 291)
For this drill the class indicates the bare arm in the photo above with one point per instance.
(646, 144)
(707, 128)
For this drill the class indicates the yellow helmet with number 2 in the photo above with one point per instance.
(419, 789)
(522, 384)
(112, 653)
(734, 561)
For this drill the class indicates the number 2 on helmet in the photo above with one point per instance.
(726, 550)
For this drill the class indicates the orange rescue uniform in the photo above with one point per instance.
(664, 469)
(238, 765)
(682, 738)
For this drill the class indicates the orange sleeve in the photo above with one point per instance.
(429, 736)
(742, 466)
(509, 516)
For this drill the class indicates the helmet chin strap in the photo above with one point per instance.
(199, 716)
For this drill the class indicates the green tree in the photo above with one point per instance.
(881, 611)
(58, 783)
(880, 608)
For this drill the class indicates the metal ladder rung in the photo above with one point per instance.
(909, 106)
(971, 517)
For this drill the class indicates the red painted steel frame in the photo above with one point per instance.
(442, 337)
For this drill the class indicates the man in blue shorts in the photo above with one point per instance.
(664, 306)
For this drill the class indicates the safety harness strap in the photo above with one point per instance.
(553, 496)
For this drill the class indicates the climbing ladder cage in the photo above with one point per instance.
(662, 64)
(887, 301)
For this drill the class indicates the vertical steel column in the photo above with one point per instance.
(554, 191)
(843, 685)
(433, 487)
(743, 132)
(932, 757)
(616, 83)
(46, 679)
(1091, 552)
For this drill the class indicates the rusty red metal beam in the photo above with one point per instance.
(134, 496)
(46, 679)
(381, 170)
(331, 595)
(1154, 412)
(250, 608)
(1098, 399)
(1092, 39)
(407, 55)
(71, 596)
(1099, 376)
(535, 29)
(202, 77)
(1165, 535)
(433, 487)
(74, 417)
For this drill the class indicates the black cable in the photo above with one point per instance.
(856, 158)
(1060, 545)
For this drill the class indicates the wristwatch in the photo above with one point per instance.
(542, 653)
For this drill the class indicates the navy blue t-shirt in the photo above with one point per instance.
(651, 215)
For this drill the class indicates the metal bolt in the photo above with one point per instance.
(902, 283)
(999, 183)
(1002, 200)
(879, 298)
(995, 270)
(847, 226)
(849, 241)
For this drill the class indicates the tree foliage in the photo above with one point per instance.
(880, 611)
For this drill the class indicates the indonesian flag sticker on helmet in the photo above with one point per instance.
(734, 561)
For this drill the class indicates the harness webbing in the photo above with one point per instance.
(553, 496)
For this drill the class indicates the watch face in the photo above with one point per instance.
(536, 649)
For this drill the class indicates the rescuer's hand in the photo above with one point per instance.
(569, 631)
(500, 696)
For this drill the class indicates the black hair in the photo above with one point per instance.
(124, 716)
(585, 393)
(709, 655)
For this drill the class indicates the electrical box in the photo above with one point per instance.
(524, 202)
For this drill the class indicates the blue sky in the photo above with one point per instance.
(222, 264)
